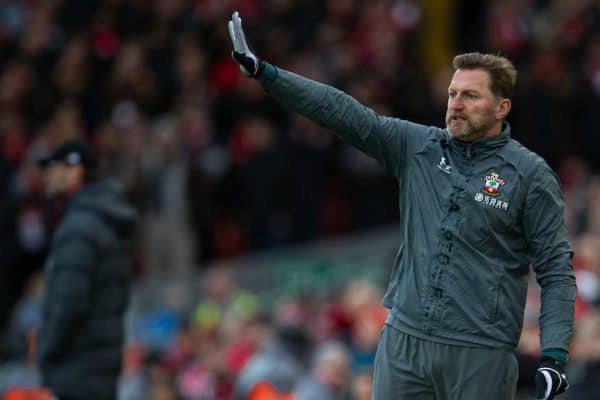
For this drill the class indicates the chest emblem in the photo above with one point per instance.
(490, 191)
(493, 183)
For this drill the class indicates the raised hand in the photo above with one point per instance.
(249, 64)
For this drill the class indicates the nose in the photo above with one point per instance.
(455, 103)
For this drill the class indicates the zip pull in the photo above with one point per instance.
(468, 152)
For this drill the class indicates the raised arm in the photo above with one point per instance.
(388, 140)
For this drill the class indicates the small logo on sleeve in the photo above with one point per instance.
(443, 165)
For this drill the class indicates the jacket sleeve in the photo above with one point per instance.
(551, 255)
(389, 140)
(68, 294)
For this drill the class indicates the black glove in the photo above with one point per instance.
(550, 379)
(249, 63)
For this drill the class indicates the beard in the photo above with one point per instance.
(467, 128)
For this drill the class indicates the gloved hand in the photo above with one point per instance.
(249, 63)
(550, 379)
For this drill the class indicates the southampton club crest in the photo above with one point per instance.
(493, 183)
(488, 195)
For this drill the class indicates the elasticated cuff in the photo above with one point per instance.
(557, 354)
(268, 75)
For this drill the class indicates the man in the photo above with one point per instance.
(476, 209)
(329, 377)
(87, 278)
(279, 361)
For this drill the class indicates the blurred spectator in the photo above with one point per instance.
(362, 384)
(24, 234)
(368, 318)
(280, 361)
(166, 234)
(329, 377)
(586, 358)
(588, 268)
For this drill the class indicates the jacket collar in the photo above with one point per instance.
(481, 147)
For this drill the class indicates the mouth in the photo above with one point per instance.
(457, 118)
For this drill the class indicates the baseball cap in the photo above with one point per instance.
(72, 152)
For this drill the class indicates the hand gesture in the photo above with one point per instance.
(249, 63)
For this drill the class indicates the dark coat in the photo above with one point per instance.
(80, 339)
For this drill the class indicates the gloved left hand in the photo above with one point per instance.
(250, 64)
(550, 379)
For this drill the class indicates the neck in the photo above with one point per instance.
(70, 192)
(73, 189)
(494, 131)
(59, 202)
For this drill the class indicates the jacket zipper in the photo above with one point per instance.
(468, 152)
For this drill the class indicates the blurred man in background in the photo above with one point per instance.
(280, 362)
(79, 342)
(477, 208)
(329, 375)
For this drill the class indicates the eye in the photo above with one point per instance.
(472, 96)
(451, 94)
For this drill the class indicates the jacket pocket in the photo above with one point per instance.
(470, 304)
(493, 303)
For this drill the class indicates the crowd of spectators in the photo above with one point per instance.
(316, 346)
(217, 170)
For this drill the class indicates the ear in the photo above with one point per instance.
(503, 108)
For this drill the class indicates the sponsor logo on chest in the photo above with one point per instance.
(488, 195)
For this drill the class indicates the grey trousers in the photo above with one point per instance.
(410, 368)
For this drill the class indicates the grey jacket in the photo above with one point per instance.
(473, 217)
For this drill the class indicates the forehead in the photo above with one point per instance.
(471, 79)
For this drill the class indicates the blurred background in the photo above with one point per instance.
(261, 236)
